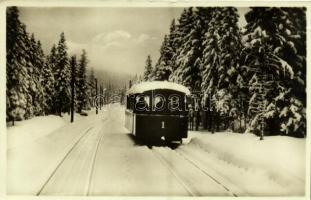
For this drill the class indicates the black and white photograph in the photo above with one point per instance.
(142, 100)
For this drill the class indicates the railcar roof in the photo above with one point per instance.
(153, 85)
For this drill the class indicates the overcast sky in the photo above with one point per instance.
(117, 39)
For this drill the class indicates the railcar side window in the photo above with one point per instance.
(147, 100)
(142, 103)
(159, 103)
(174, 103)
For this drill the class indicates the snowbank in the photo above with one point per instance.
(273, 166)
(32, 129)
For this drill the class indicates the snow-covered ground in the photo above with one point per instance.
(95, 155)
(27, 131)
(32, 160)
(274, 166)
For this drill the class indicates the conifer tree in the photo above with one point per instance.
(148, 69)
(52, 64)
(48, 84)
(220, 61)
(17, 74)
(62, 77)
(37, 61)
(92, 76)
(171, 36)
(32, 81)
(189, 36)
(276, 45)
(91, 87)
(164, 66)
(81, 82)
(183, 28)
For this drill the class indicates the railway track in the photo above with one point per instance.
(207, 174)
(75, 174)
(65, 169)
(91, 174)
(197, 183)
(180, 180)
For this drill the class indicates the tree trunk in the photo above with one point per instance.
(217, 122)
(205, 123)
(241, 106)
(60, 110)
(212, 121)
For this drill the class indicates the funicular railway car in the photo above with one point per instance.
(156, 110)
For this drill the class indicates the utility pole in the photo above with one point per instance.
(100, 95)
(96, 96)
(73, 69)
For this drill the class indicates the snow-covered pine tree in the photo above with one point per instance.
(188, 55)
(148, 69)
(17, 76)
(91, 87)
(275, 43)
(260, 90)
(220, 61)
(162, 68)
(294, 121)
(52, 63)
(231, 46)
(242, 96)
(183, 28)
(31, 83)
(48, 84)
(81, 82)
(62, 77)
(37, 61)
(171, 44)
(41, 63)
(19, 69)
(172, 32)
(165, 65)
(92, 77)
